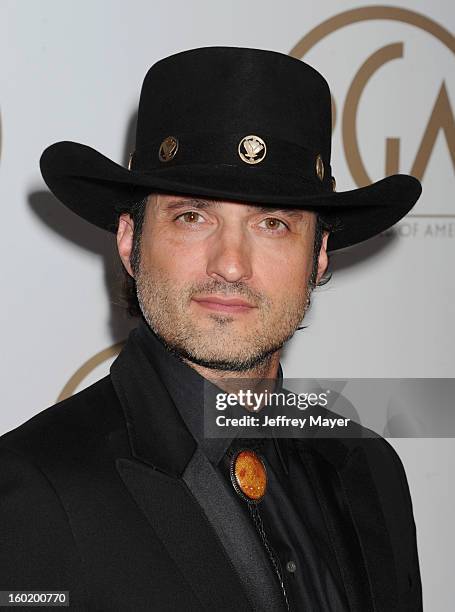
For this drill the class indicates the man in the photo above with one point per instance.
(224, 220)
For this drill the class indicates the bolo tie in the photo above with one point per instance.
(249, 479)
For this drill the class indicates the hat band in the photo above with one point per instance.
(257, 152)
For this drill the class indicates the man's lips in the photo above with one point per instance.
(226, 304)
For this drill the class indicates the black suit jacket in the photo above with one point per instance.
(92, 501)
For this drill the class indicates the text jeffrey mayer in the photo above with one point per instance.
(311, 421)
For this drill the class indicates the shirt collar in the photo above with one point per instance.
(186, 388)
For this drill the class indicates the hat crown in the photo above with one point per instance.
(222, 90)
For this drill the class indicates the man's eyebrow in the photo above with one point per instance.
(203, 204)
(194, 203)
(292, 212)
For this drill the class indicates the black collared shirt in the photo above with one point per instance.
(296, 537)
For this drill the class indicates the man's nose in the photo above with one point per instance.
(229, 254)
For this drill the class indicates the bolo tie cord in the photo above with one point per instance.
(249, 478)
(254, 512)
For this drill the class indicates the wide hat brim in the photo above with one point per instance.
(98, 189)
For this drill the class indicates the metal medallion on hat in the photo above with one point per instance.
(249, 476)
(319, 165)
(168, 149)
(252, 149)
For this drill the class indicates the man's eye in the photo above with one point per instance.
(272, 224)
(190, 217)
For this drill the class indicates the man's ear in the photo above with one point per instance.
(323, 259)
(125, 240)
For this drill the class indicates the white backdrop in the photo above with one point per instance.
(73, 71)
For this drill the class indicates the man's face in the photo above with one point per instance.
(224, 284)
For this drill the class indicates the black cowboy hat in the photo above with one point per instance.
(230, 123)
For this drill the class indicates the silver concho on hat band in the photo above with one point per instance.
(319, 166)
(252, 149)
(168, 148)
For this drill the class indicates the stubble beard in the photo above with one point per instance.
(217, 342)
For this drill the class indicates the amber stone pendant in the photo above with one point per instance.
(249, 476)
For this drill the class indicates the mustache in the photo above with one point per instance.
(237, 288)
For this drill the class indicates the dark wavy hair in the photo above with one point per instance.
(137, 212)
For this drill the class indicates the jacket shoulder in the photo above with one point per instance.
(386, 468)
(83, 418)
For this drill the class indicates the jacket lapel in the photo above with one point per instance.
(342, 479)
(161, 448)
(182, 527)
